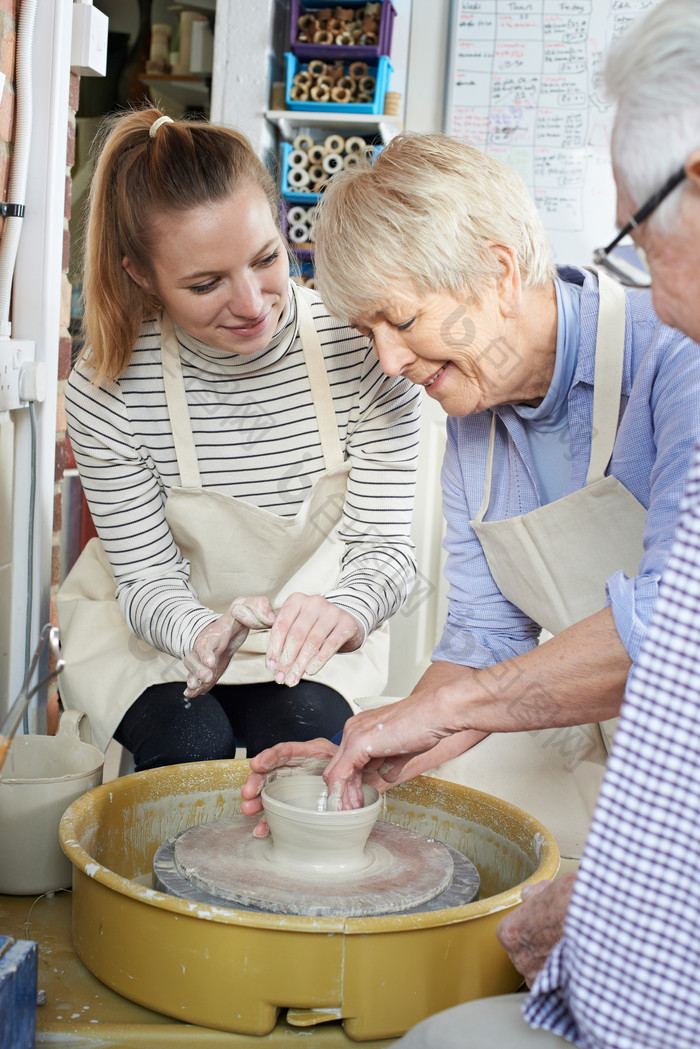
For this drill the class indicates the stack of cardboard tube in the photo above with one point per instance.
(345, 26)
(312, 163)
(331, 82)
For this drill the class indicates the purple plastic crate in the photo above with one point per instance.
(331, 52)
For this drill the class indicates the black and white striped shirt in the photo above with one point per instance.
(256, 436)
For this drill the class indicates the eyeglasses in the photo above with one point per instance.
(618, 267)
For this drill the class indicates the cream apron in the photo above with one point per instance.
(553, 563)
(235, 549)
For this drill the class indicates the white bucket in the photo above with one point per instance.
(41, 777)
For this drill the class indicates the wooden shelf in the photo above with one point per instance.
(290, 120)
(205, 7)
(188, 90)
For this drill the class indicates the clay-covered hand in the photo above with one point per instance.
(308, 630)
(531, 931)
(216, 644)
(392, 742)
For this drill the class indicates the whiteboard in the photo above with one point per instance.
(523, 85)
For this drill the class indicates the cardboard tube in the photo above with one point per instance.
(355, 144)
(334, 144)
(296, 215)
(332, 162)
(298, 177)
(299, 234)
(298, 159)
(304, 142)
(358, 70)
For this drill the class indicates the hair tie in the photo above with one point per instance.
(156, 124)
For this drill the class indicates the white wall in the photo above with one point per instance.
(427, 65)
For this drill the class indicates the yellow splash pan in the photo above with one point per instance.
(234, 969)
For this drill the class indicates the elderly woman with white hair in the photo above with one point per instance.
(572, 414)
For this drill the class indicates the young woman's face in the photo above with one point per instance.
(221, 271)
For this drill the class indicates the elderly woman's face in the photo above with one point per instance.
(456, 349)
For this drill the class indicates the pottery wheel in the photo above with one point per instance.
(223, 861)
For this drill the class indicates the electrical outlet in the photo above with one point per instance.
(13, 354)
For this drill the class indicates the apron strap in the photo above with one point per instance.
(489, 470)
(318, 380)
(607, 382)
(176, 399)
(607, 386)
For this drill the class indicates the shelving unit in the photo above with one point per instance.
(356, 117)
(290, 121)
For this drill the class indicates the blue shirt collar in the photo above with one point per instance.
(552, 412)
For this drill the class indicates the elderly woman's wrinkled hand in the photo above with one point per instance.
(394, 741)
(308, 630)
(531, 931)
(217, 643)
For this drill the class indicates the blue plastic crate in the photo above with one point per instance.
(290, 194)
(18, 978)
(381, 71)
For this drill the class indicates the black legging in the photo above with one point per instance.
(163, 728)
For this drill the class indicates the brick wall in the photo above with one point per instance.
(9, 10)
(8, 38)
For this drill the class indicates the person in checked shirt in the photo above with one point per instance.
(611, 954)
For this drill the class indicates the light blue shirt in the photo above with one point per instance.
(547, 425)
(660, 407)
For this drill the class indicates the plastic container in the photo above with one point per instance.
(296, 196)
(331, 52)
(289, 193)
(236, 970)
(41, 777)
(381, 71)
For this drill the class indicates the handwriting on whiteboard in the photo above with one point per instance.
(524, 86)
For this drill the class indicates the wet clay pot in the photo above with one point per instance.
(307, 835)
